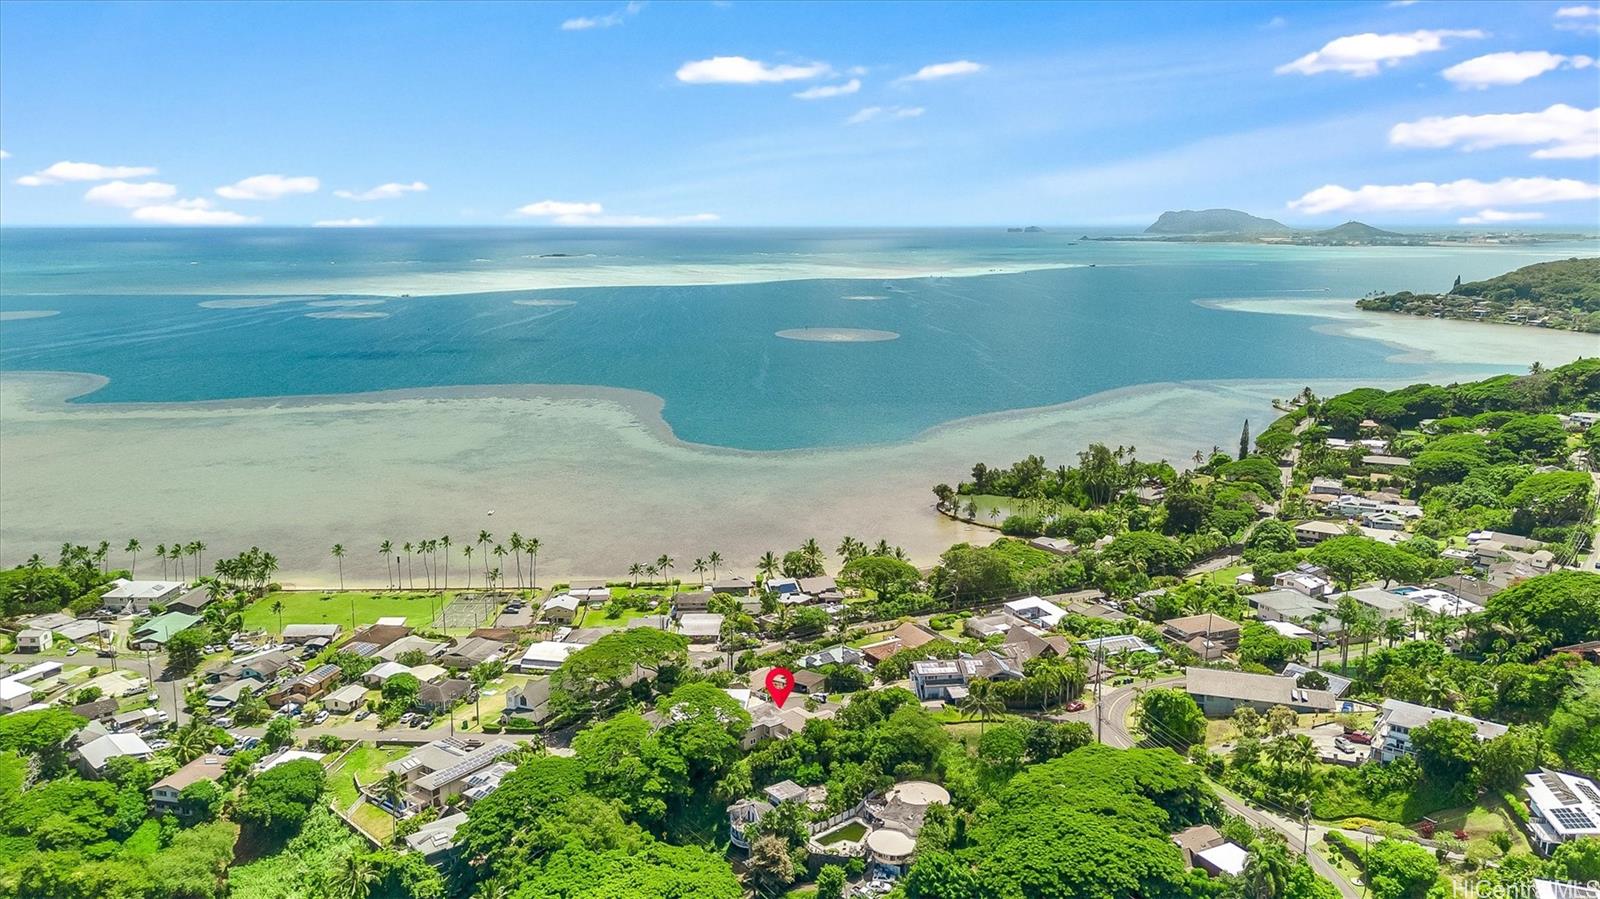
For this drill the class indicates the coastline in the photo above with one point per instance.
(596, 472)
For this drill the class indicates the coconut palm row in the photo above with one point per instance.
(432, 554)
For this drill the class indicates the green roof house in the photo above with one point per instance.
(155, 633)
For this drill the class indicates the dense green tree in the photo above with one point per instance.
(884, 575)
(597, 675)
(41, 734)
(1170, 717)
(186, 649)
(279, 799)
(1398, 869)
(1261, 645)
(1447, 749)
(1562, 607)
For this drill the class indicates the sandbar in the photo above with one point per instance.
(837, 335)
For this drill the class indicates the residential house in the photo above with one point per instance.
(473, 651)
(1442, 602)
(701, 627)
(734, 586)
(226, 696)
(300, 634)
(530, 701)
(833, 655)
(79, 630)
(441, 697)
(33, 639)
(1309, 533)
(583, 636)
(192, 601)
(1306, 579)
(435, 841)
(166, 792)
(1561, 807)
(1219, 692)
(909, 635)
(1392, 736)
(1327, 487)
(989, 625)
(741, 815)
(346, 699)
(154, 634)
(138, 596)
(1387, 605)
(1336, 685)
(1209, 626)
(262, 666)
(404, 645)
(382, 633)
(546, 655)
(825, 589)
(942, 679)
(307, 687)
(381, 672)
(1288, 605)
(1059, 546)
(698, 601)
(96, 710)
(783, 586)
(429, 674)
(437, 772)
(559, 609)
(1036, 610)
(1383, 521)
(1208, 850)
(1382, 462)
(91, 757)
(1117, 644)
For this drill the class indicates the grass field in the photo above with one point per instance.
(1224, 576)
(364, 763)
(315, 607)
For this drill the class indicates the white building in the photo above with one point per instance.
(138, 596)
(1039, 611)
(1561, 807)
(546, 655)
(1392, 736)
(16, 691)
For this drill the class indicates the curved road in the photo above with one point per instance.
(1118, 704)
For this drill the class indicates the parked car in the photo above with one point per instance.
(224, 721)
(1358, 736)
(321, 717)
(1343, 745)
(426, 723)
(72, 650)
(1075, 706)
(106, 653)
(363, 714)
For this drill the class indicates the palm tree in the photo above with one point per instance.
(664, 564)
(161, 553)
(277, 609)
(410, 577)
(531, 546)
(199, 557)
(516, 555)
(353, 877)
(444, 543)
(812, 551)
(392, 788)
(700, 569)
(338, 553)
(500, 555)
(715, 561)
(467, 551)
(982, 703)
(483, 544)
(132, 549)
(190, 742)
(386, 549)
(100, 554)
(634, 571)
(768, 565)
(1266, 871)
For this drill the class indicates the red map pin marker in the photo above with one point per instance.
(780, 683)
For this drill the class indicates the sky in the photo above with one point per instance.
(741, 113)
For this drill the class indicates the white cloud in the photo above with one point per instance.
(1510, 68)
(824, 91)
(609, 20)
(1362, 55)
(345, 223)
(387, 191)
(83, 171)
(197, 211)
(553, 208)
(1495, 216)
(1563, 132)
(130, 195)
(872, 113)
(4, 155)
(741, 70)
(945, 70)
(269, 187)
(1578, 18)
(1431, 197)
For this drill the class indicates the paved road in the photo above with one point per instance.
(1119, 703)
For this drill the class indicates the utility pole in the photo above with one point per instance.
(1099, 684)
(1305, 835)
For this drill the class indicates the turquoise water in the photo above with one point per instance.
(171, 315)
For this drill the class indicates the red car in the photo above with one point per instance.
(1075, 706)
(1359, 736)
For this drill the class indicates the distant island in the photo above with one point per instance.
(1564, 294)
(1031, 229)
(1234, 226)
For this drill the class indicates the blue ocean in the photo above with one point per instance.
(970, 321)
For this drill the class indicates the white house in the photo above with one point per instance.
(546, 655)
(1392, 736)
(139, 596)
(1561, 807)
(346, 699)
(34, 640)
(93, 755)
(560, 609)
(1307, 580)
(16, 691)
(1039, 611)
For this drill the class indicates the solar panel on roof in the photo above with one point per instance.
(1588, 790)
(1572, 819)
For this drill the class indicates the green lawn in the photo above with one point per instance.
(374, 821)
(1224, 576)
(599, 618)
(1481, 822)
(364, 763)
(315, 607)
